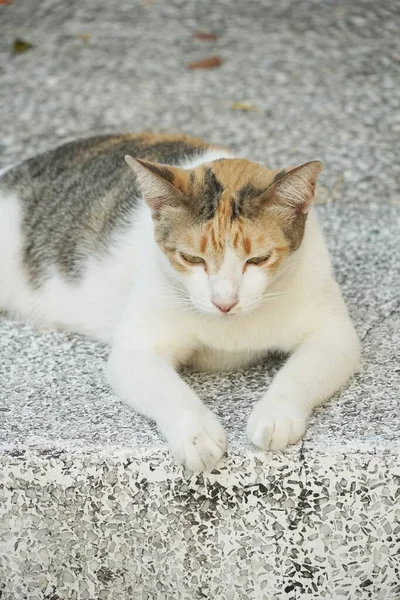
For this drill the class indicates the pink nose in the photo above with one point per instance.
(225, 307)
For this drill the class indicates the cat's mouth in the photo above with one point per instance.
(212, 311)
(219, 314)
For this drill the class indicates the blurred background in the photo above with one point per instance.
(296, 80)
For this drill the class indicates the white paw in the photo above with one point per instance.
(275, 423)
(197, 440)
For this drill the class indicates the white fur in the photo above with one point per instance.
(206, 157)
(155, 320)
(4, 170)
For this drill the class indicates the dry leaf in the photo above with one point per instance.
(207, 63)
(20, 46)
(6, 1)
(202, 35)
(85, 37)
(244, 106)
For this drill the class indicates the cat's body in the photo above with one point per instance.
(66, 240)
(81, 250)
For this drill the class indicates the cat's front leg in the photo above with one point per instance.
(143, 375)
(325, 360)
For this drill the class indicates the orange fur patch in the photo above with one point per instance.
(214, 239)
(247, 245)
(260, 238)
(277, 256)
(236, 173)
(203, 243)
(148, 138)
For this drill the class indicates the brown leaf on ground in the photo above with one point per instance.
(243, 106)
(207, 63)
(20, 46)
(6, 1)
(203, 35)
(85, 37)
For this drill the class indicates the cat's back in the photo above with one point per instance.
(86, 183)
(95, 163)
(62, 208)
(68, 201)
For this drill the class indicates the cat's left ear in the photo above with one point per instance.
(296, 187)
(160, 184)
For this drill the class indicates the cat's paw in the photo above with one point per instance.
(275, 423)
(198, 441)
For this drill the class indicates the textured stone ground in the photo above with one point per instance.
(324, 80)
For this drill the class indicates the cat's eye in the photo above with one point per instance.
(193, 260)
(258, 260)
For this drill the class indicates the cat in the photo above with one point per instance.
(182, 255)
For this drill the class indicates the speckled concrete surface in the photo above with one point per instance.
(91, 506)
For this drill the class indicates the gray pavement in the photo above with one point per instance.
(324, 79)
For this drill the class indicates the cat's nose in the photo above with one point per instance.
(225, 306)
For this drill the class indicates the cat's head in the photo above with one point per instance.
(228, 226)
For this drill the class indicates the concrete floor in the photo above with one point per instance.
(324, 79)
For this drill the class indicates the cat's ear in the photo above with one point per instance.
(160, 184)
(295, 188)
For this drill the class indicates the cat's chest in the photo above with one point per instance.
(259, 332)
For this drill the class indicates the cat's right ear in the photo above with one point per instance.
(160, 184)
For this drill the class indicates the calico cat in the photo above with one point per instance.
(184, 256)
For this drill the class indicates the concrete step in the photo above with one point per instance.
(92, 506)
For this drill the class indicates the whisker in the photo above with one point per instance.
(175, 297)
(176, 287)
(268, 301)
(182, 303)
(188, 310)
(274, 294)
